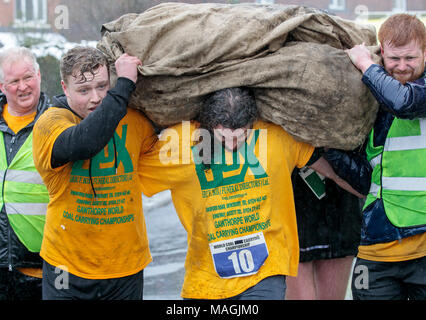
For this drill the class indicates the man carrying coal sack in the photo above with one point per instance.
(391, 260)
(230, 179)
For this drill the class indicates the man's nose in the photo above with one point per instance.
(95, 96)
(402, 65)
(22, 85)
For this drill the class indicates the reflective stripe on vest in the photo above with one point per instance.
(374, 156)
(374, 190)
(22, 176)
(399, 173)
(376, 160)
(26, 208)
(410, 142)
(24, 195)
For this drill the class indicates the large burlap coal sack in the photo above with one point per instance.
(292, 57)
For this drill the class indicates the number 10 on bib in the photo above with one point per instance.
(239, 257)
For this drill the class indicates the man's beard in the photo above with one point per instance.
(407, 76)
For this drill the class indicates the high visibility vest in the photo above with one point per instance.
(23, 195)
(399, 172)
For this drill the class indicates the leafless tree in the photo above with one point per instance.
(86, 17)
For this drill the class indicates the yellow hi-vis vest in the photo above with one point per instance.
(399, 172)
(23, 195)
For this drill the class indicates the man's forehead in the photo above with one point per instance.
(98, 75)
(412, 46)
(13, 65)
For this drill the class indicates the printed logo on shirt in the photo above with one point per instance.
(103, 163)
(108, 206)
(220, 173)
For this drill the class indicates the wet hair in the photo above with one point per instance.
(80, 60)
(15, 54)
(400, 29)
(232, 108)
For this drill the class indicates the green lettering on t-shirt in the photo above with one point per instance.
(218, 169)
(107, 156)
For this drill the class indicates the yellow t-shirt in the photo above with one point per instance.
(16, 123)
(400, 250)
(239, 215)
(103, 237)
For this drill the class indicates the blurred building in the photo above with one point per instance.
(33, 14)
(360, 9)
(85, 17)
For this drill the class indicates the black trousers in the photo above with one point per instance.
(373, 280)
(61, 285)
(14, 285)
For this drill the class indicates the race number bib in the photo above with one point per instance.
(239, 257)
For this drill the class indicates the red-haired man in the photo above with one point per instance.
(391, 260)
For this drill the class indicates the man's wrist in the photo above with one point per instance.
(364, 65)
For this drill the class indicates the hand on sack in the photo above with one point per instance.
(127, 67)
(360, 57)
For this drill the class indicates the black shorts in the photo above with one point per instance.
(328, 228)
(61, 285)
(402, 280)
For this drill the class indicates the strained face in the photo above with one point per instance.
(84, 96)
(404, 63)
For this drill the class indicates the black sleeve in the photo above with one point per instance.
(351, 166)
(85, 140)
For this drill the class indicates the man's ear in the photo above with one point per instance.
(64, 87)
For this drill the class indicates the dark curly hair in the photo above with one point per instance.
(232, 108)
(79, 60)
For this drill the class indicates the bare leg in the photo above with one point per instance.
(331, 277)
(301, 287)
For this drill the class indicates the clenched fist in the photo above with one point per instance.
(127, 67)
(360, 57)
